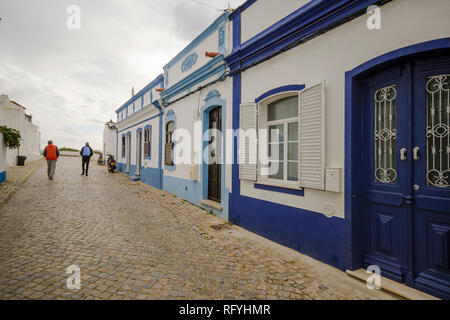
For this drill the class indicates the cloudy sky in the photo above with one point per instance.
(71, 81)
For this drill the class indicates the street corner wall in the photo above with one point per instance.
(2, 159)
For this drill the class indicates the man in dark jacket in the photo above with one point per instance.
(86, 154)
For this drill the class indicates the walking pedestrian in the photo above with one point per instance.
(86, 154)
(51, 154)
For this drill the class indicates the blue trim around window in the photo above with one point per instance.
(294, 87)
(297, 192)
(307, 22)
(149, 127)
(170, 116)
(121, 143)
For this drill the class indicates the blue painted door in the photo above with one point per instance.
(406, 161)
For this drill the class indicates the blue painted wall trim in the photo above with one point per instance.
(200, 38)
(353, 143)
(294, 87)
(133, 125)
(2, 176)
(159, 80)
(206, 71)
(307, 22)
(241, 8)
(191, 191)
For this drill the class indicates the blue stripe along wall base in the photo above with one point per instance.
(148, 175)
(312, 233)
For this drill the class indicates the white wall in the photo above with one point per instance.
(185, 112)
(109, 141)
(210, 43)
(132, 124)
(264, 13)
(328, 57)
(14, 117)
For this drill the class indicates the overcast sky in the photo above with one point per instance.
(71, 81)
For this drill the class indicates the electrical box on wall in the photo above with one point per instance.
(193, 172)
(333, 179)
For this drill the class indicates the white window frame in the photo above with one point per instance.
(264, 124)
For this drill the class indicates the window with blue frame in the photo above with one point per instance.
(147, 142)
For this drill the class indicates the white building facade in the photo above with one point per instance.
(363, 115)
(138, 151)
(109, 140)
(340, 131)
(13, 115)
(196, 99)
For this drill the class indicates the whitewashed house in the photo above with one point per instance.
(349, 105)
(197, 97)
(360, 96)
(13, 115)
(109, 140)
(138, 151)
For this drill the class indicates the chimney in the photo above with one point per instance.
(132, 91)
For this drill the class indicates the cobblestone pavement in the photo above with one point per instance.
(132, 241)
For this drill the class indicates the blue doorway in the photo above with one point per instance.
(405, 166)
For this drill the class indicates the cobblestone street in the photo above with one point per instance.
(132, 241)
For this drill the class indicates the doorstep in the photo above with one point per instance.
(392, 286)
(211, 204)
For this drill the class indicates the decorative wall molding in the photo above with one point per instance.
(215, 66)
(211, 94)
(189, 62)
(221, 37)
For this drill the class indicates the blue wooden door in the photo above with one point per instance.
(406, 182)
(431, 175)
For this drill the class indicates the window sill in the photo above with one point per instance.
(212, 204)
(289, 189)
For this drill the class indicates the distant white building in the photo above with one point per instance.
(13, 115)
(109, 139)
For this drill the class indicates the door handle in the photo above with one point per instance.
(416, 153)
(403, 154)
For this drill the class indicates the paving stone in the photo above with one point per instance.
(132, 241)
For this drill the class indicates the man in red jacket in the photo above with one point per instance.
(51, 154)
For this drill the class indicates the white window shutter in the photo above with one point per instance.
(311, 122)
(247, 120)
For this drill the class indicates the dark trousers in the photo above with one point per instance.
(85, 163)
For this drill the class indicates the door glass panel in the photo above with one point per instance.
(385, 135)
(438, 131)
